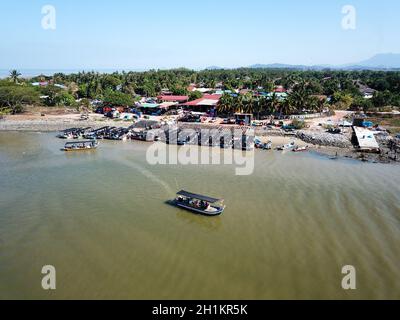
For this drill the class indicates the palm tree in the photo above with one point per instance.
(14, 74)
(300, 97)
(273, 103)
(259, 105)
(287, 107)
(226, 104)
(248, 102)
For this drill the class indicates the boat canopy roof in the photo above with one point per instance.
(80, 142)
(198, 197)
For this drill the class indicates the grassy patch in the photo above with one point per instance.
(392, 123)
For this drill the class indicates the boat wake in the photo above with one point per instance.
(148, 174)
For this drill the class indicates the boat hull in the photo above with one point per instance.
(199, 211)
(80, 149)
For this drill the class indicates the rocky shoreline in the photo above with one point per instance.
(325, 139)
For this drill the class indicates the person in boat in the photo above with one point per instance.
(204, 205)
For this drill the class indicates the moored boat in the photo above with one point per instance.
(300, 149)
(261, 145)
(286, 146)
(199, 204)
(83, 145)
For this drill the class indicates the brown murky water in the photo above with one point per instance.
(101, 219)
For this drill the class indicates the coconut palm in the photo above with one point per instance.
(248, 103)
(259, 105)
(300, 98)
(287, 107)
(273, 103)
(14, 75)
(226, 104)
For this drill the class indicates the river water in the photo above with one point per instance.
(101, 219)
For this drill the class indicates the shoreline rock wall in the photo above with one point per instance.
(325, 139)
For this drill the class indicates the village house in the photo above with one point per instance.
(367, 92)
(171, 98)
(204, 104)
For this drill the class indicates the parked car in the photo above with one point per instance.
(190, 118)
(100, 110)
(229, 121)
(288, 127)
(256, 123)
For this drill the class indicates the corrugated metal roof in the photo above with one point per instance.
(207, 100)
(173, 98)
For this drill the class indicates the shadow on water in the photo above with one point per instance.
(211, 223)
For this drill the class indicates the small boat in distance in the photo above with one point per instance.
(199, 204)
(261, 145)
(286, 146)
(81, 145)
(300, 149)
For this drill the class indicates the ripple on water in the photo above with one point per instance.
(102, 219)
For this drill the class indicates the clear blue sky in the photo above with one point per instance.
(135, 34)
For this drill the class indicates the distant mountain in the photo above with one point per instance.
(383, 60)
(377, 62)
(214, 68)
(278, 66)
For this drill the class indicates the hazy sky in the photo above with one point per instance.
(134, 34)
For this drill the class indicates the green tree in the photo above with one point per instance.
(110, 82)
(194, 95)
(65, 99)
(179, 91)
(382, 99)
(362, 104)
(13, 98)
(51, 92)
(273, 104)
(226, 104)
(342, 101)
(116, 98)
(14, 75)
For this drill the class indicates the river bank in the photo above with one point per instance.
(333, 146)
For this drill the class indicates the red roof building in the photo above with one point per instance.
(208, 101)
(179, 99)
(279, 89)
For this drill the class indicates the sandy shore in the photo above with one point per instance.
(52, 123)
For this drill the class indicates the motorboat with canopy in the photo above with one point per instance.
(81, 145)
(199, 204)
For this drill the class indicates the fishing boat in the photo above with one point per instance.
(286, 146)
(199, 204)
(300, 149)
(68, 134)
(96, 134)
(261, 145)
(83, 145)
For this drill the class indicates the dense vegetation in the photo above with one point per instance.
(307, 90)
(13, 97)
